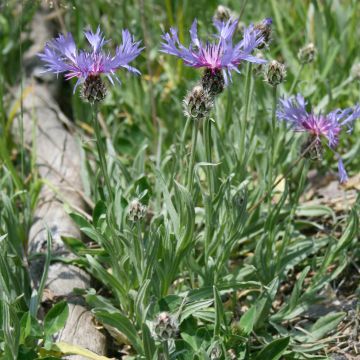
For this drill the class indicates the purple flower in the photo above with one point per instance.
(328, 126)
(62, 56)
(219, 55)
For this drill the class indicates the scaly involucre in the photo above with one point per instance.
(219, 55)
(328, 126)
(62, 56)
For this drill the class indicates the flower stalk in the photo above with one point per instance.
(289, 170)
(211, 184)
(101, 152)
(297, 77)
(190, 175)
(273, 141)
(244, 119)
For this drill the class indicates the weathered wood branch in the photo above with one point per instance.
(58, 163)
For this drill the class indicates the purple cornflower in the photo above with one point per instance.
(293, 111)
(62, 56)
(219, 55)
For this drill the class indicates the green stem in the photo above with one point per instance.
(21, 119)
(287, 234)
(244, 120)
(273, 142)
(190, 177)
(139, 247)
(211, 184)
(158, 165)
(334, 94)
(101, 152)
(207, 142)
(293, 86)
(6, 159)
(287, 173)
(166, 350)
(182, 143)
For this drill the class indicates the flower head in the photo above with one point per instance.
(136, 210)
(275, 73)
(165, 326)
(355, 71)
(318, 126)
(221, 54)
(62, 56)
(307, 54)
(198, 103)
(222, 13)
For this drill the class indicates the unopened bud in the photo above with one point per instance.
(198, 103)
(355, 71)
(213, 81)
(94, 89)
(215, 353)
(264, 31)
(165, 326)
(231, 354)
(275, 73)
(222, 13)
(307, 54)
(312, 149)
(136, 210)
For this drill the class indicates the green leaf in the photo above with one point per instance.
(37, 294)
(75, 245)
(99, 210)
(69, 349)
(286, 312)
(322, 326)
(108, 279)
(312, 211)
(55, 319)
(193, 307)
(174, 217)
(93, 234)
(169, 303)
(247, 321)
(191, 340)
(219, 313)
(263, 303)
(121, 323)
(25, 327)
(98, 301)
(80, 220)
(274, 350)
(187, 219)
(297, 288)
(148, 341)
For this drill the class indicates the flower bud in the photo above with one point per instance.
(216, 352)
(222, 13)
(136, 210)
(355, 71)
(313, 148)
(275, 73)
(94, 89)
(165, 326)
(264, 31)
(213, 81)
(307, 54)
(231, 354)
(198, 103)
